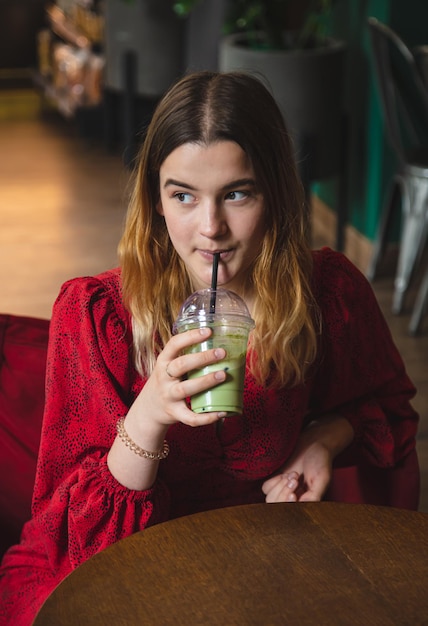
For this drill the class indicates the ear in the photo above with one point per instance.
(159, 207)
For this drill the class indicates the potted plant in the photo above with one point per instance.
(273, 24)
(147, 39)
(287, 42)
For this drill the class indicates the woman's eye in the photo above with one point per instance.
(236, 195)
(183, 197)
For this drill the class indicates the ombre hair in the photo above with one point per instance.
(204, 108)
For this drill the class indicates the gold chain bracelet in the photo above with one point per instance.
(153, 456)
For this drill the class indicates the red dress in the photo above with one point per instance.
(78, 506)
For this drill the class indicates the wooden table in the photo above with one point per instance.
(263, 564)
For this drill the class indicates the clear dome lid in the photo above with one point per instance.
(213, 305)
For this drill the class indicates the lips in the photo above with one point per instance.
(208, 254)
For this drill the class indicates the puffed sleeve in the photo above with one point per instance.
(360, 374)
(89, 385)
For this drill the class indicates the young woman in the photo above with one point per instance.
(121, 449)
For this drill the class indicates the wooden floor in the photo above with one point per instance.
(62, 205)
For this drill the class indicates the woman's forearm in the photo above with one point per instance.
(128, 467)
(333, 431)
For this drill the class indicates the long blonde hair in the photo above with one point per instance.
(206, 107)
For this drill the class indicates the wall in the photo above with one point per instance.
(370, 159)
(203, 29)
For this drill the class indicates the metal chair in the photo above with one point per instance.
(421, 57)
(404, 100)
(420, 306)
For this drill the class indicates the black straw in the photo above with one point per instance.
(214, 281)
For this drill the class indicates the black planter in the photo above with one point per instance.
(145, 50)
(151, 33)
(308, 86)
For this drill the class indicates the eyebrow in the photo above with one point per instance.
(241, 182)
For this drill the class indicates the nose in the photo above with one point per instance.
(213, 223)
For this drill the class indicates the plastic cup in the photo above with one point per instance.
(231, 324)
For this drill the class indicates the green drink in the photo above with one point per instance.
(231, 324)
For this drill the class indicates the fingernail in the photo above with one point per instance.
(221, 414)
(204, 330)
(219, 353)
(220, 375)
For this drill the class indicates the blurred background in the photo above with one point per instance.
(79, 81)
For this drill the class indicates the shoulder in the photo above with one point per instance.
(93, 288)
(334, 274)
(92, 299)
(344, 295)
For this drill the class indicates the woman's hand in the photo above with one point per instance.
(304, 478)
(162, 402)
(163, 398)
(307, 473)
